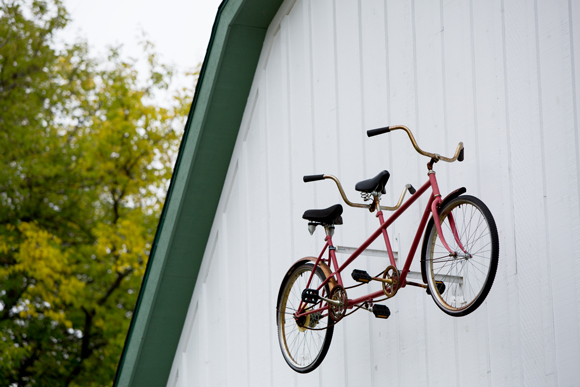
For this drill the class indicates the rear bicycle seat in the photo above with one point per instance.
(330, 215)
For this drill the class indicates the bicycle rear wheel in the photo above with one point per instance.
(468, 274)
(303, 341)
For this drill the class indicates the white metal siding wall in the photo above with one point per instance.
(499, 75)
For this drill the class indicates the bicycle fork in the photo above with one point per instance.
(436, 202)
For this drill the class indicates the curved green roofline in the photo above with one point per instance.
(206, 148)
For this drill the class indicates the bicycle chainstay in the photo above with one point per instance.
(348, 314)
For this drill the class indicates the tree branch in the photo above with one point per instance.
(114, 286)
(86, 351)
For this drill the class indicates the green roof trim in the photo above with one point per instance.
(204, 156)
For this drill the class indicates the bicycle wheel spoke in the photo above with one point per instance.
(476, 237)
(473, 262)
(472, 235)
(482, 247)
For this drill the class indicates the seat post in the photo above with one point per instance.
(376, 202)
(329, 230)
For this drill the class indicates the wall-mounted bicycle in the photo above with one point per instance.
(458, 262)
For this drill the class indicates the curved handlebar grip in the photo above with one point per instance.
(376, 132)
(460, 157)
(309, 178)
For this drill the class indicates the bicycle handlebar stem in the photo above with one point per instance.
(360, 205)
(435, 156)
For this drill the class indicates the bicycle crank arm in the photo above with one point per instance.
(416, 284)
(311, 296)
(385, 280)
(333, 302)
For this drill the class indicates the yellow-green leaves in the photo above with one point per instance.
(86, 156)
(39, 257)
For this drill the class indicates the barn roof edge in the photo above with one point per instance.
(199, 174)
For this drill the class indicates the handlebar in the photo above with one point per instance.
(408, 187)
(309, 178)
(459, 152)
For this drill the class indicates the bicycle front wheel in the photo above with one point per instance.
(459, 282)
(304, 341)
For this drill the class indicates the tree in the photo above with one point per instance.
(86, 154)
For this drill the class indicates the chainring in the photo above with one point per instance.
(391, 273)
(337, 312)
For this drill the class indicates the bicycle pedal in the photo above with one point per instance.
(381, 311)
(440, 287)
(361, 276)
(310, 296)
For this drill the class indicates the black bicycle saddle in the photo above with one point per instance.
(330, 215)
(376, 184)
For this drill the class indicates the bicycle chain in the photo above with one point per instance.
(348, 314)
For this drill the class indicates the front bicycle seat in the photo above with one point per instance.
(376, 184)
(330, 215)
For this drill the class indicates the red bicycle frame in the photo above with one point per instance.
(431, 208)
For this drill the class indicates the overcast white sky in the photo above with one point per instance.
(180, 29)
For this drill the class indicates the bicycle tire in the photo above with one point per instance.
(469, 275)
(303, 348)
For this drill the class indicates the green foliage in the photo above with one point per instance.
(85, 156)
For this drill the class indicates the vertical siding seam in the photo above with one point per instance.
(362, 90)
(576, 134)
(574, 98)
(390, 145)
(205, 339)
(211, 256)
(228, 277)
(511, 187)
(418, 136)
(474, 86)
(456, 347)
(247, 124)
(444, 85)
(543, 158)
(336, 112)
(244, 159)
(370, 331)
(188, 336)
(508, 135)
(264, 102)
(540, 112)
(336, 83)
(478, 165)
(286, 38)
(231, 186)
(312, 112)
(444, 89)
(416, 82)
(388, 98)
(387, 72)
